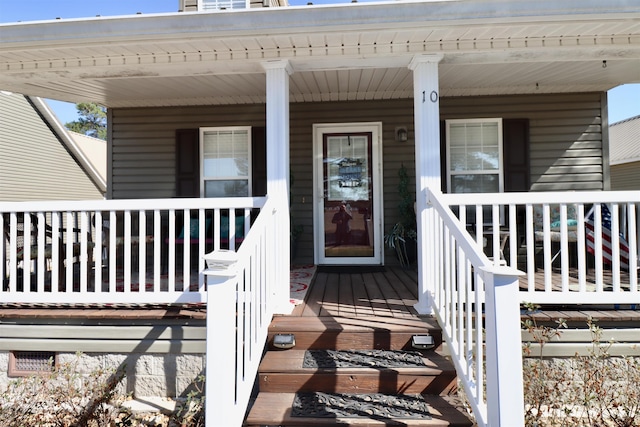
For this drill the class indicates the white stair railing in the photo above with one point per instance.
(574, 248)
(242, 298)
(476, 303)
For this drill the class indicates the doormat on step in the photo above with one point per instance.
(362, 359)
(370, 406)
(300, 280)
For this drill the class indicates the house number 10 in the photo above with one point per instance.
(433, 96)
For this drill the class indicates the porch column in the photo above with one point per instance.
(426, 107)
(277, 75)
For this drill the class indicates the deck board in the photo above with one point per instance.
(392, 293)
(389, 293)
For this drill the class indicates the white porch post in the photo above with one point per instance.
(277, 74)
(505, 396)
(426, 102)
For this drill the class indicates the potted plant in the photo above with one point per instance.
(403, 235)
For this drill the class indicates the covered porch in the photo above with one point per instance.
(401, 65)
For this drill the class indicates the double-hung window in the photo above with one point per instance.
(474, 160)
(225, 162)
(474, 156)
(204, 5)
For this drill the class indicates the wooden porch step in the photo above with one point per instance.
(274, 409)
(392, 390)
(344, 333)
(283, 371)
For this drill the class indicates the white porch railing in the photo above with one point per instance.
(146, 260)
(116, 251)
(572, 248)
(575, 247)
(246, 289)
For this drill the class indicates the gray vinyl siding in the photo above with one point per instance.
(565, 144)
(143, 147)
(103, 336)
(34, 165)
(566, 148)
(625, 176)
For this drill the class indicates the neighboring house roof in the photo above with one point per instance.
(624, 141)
(95, 151)
(355, 51)
(39, 159)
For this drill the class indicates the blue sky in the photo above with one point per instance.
(624, 101)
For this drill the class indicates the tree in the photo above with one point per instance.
(92, 120)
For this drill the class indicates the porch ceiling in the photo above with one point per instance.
(344, 52)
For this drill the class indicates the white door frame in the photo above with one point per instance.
(319, 129)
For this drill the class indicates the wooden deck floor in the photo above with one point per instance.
(361, 292)
(392, 292)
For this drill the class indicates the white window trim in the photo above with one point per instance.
(475, 172)
(201, 5)
(250, 166)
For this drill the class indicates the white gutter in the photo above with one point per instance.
(311, 19)
(69, 142)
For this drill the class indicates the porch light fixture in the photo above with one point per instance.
(401, 134)
(284, 341)
(422, 342)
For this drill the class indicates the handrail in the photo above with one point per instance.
(477, 242)
(241, 302)
(465, 302)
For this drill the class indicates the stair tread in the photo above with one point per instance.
(275, 409)
(345, 324)
(291, 362)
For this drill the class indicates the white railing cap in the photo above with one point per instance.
(220, 262)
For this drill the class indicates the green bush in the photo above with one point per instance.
(592, 390)
(62, 397)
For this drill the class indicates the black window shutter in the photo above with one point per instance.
(259, 161)
(187, 163)
(516, 154)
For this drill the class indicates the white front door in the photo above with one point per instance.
(347, 193)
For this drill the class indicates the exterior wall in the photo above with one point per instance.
(566, 149)
(162, 357)
(146, 375)
(143, 144)
(625, 176)
(34, 165)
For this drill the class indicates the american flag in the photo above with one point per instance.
(606, 237)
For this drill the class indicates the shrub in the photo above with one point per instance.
(591, 390)
(62, 397)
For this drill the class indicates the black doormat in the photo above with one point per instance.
(370, 406)
(351, 269)
(362, 359)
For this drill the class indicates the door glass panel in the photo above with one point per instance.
(348, 195)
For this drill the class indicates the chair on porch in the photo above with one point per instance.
(46, 249)
(32, 239)
(192, 236)
(555, 226)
